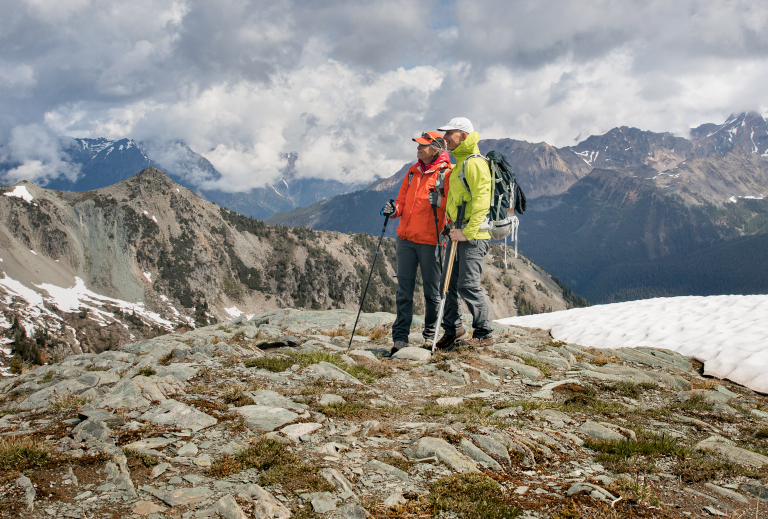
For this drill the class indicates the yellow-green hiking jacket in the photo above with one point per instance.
(478, 177)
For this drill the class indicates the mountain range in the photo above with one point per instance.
(86, 271)
(104, 162)
(603, 214)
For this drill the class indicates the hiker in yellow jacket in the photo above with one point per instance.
(473, 186)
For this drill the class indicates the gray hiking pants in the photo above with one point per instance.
(411, 255)
(465, 283)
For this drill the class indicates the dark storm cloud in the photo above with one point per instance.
(245, 81)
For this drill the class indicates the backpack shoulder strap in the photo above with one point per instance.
(464, 178)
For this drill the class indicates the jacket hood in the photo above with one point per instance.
(467, 147)
(442, 157)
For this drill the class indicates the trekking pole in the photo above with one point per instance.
(362, 297)
(438, 252)
(448, 271)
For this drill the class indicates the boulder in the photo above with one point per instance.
(412, 353)
(427, 447)
(328, 370)
(262, 418)
(600, 432)
(733, 453)
(171, 412)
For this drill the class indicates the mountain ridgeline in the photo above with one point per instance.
(147, 255)
(621, 215)
(104, 162)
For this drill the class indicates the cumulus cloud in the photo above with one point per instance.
(347, 83)
(33, 153)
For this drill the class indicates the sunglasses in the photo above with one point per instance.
(439, 142)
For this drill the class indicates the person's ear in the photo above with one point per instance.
(464, 135)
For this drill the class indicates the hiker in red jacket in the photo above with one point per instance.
(425, 185)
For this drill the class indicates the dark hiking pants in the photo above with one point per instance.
(465, 283)
(409, 256)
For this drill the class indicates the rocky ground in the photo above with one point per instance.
(273, 417)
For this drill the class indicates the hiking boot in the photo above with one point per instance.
(448, 342)
(399, 345)
(476, 342)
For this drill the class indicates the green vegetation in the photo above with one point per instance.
(572, 300)
(616, 454)
(21, 453)
(704, 466)
(542, 366)
(27, 350)
(273, 364)
(358, 371)
(343, 409)
(475, 496)
(69, 402)
(279, 466)
(147, 371)
(144, 459)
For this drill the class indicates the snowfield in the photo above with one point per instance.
(729, 334)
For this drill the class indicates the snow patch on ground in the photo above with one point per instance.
(148, 275)
(21, 192)
(729, 334)
(234, 312)
(73, 298)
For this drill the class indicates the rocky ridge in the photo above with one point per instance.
(273, 417)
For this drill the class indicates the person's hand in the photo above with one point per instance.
(434, 198)
(457, 235)
(389, 209)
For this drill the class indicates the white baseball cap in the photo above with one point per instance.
(458, 123)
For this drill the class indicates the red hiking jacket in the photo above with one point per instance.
(418, 221)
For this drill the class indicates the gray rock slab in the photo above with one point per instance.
(556, 418)
(474, 452)
(546, 391)
(228, 508)
(735, 454)
(46, 396)
(110, 419)
(384, 468)
(492, 446)
(171, 412)
(366, 354)
(269, 398)
(517, 367)
(188, 450)
(183, 496)
(180, 371)
(711, 397)
(427, 447)
(328, 370)
(725, 492)
(126, 394)
(352, 511)
(300, 429)
(337, 479)
(595, 430)
(266, 506)
(265, 418)
(149, 443)
(413, 353)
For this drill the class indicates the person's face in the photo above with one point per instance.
(453, 138)
(426, 153)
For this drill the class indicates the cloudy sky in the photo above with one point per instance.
(347, 84)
